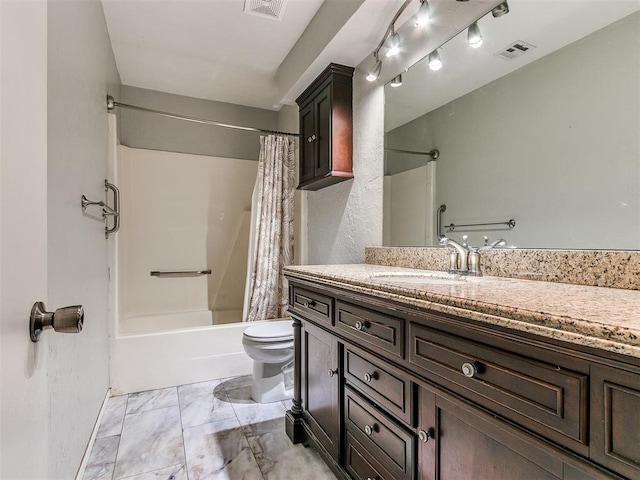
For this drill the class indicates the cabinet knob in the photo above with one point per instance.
(331, 373)
(313, 137)
(308, 303)
(360, 325)
(424, 436)
(309, 139)
(469, 369)
(368, 377)
(369, 429)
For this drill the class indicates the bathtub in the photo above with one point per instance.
(144, 360)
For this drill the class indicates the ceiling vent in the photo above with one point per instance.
(273, 9)
(515, 50)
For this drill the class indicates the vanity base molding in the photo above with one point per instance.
(390, 391)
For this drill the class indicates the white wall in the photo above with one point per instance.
(81, 70)
(346, 217)
(24, 403)
(183, 212)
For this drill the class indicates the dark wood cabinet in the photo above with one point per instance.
(326, 129)
(320, 382)
(389, 391)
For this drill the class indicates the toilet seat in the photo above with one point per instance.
(277, 331)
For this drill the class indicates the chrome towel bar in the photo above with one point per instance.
(186, 273)
(107, 211)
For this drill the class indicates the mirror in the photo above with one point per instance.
(540, 125)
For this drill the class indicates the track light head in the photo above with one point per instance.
(397, 81)
(424, 13)
(374, 73)
(435, 63)
(474, 36)
(500, 10)
(394, 45)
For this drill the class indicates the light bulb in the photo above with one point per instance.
(394, 45)
(434, 60)
(474, 36)
(424, 13)
(397, 81)
(374, 73)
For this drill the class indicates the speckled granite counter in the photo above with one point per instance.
(599, 317)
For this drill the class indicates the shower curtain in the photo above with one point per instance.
(271, 239)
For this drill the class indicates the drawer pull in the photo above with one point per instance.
(424, 436)
(469, 369)
(331, 373)
(360, 325)
(369, 429)
(308, 303)
(368, 377)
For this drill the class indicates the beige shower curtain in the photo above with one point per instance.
(271, 245)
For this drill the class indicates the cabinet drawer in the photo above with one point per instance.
(313, 305)
(386, 441)
(383, 384)
(360, 464)
(370, 328)
(519, 388)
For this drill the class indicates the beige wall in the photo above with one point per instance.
(81, 70)
(183, 212)
(143, 130)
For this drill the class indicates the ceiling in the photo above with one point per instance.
(546, 24)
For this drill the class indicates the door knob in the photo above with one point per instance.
(63, 320)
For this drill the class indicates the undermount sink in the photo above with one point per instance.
(425, 278)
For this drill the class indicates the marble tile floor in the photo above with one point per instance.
(203, 431)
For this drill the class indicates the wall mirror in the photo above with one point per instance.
(539, 125)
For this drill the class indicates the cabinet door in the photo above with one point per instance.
(465, 443)
(323, 132)
(307, 144)
(320, 386)
(615, 420)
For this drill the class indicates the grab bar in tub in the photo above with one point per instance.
(186, 273)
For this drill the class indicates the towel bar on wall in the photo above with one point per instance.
(186, 273)
(107, 211)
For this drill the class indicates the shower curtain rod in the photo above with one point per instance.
(112, 104)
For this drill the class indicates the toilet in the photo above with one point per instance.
(270, 345)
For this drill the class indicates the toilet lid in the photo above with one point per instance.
(270, 331)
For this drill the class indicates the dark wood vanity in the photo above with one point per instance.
(387, 390)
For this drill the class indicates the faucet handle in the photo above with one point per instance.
(465, 244)
(497, 243)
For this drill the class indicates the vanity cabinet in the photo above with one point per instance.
(320, 381)
(393, 392)
(326, 129)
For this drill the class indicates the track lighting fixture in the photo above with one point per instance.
(424, 13)
(474, 36)
(500, 10)
(394, 45)
(397, 81)
(435, 63)
(374, 73)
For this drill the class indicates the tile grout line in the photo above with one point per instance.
(115, 462)
(184, 443)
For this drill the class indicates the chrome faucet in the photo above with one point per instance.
(458, 256)
(465, 260)
(474, 255)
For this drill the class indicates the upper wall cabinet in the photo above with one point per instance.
(326, 129)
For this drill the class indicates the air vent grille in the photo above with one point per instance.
(515, 50)
(273, 9)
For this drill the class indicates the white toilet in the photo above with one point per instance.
(270, 345)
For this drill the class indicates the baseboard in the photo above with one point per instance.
(92, 439)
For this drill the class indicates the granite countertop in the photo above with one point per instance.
(599, 317)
